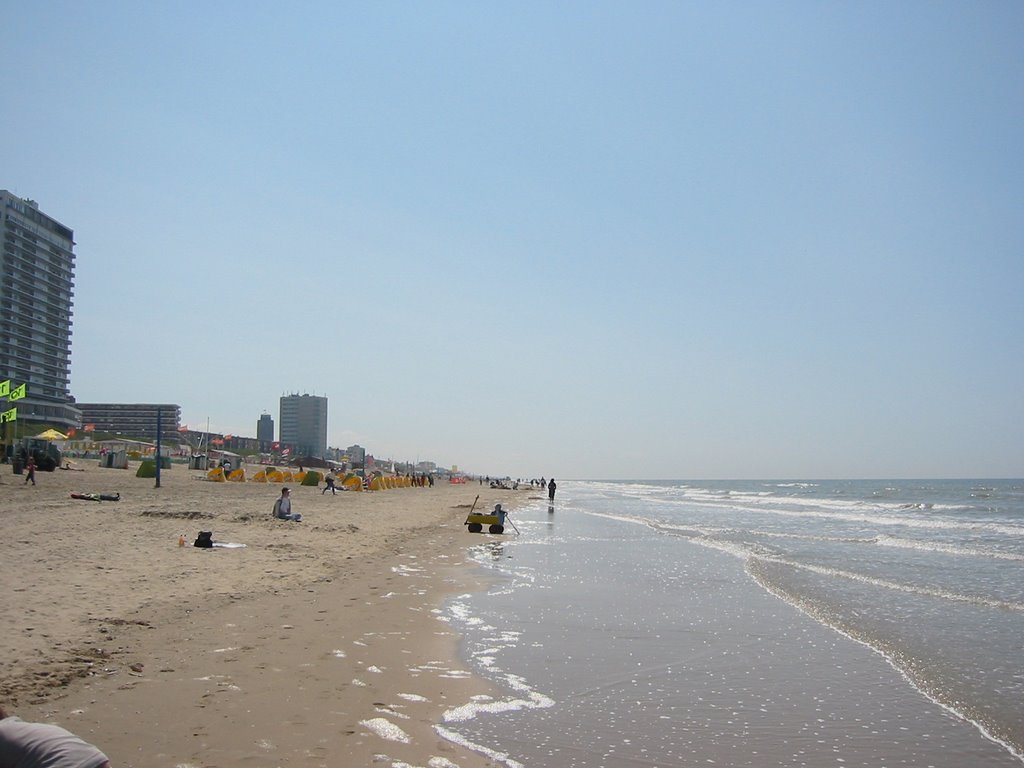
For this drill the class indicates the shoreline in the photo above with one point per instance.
(316, 640)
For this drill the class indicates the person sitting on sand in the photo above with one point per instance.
(28, 745)
(283, 507)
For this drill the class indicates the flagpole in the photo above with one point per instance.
(158, 462)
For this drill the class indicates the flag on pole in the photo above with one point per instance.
(89, 428)
(183, 428)
(17, 394)
(5, 388)
(10, 415)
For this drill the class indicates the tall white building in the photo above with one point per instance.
(303, 424)
(37, 278)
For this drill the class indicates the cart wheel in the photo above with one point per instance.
(497, 529)
(475, 527)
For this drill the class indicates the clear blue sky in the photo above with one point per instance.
(593, 240)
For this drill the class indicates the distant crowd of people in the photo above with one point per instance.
(508, 484)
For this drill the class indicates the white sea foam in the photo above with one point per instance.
(412, 697)
(471, 709)
(456, 738)
(386, 729)
(405, 570)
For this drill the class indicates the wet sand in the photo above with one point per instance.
(318, 643)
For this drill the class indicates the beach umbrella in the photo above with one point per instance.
(52, 434)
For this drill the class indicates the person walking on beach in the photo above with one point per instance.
(329, 479)
(31, 467)
(551, 489)
(32, 744)
(283, 507)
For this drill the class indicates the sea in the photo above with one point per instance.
(749, 623)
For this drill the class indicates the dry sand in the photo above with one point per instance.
(319, 643)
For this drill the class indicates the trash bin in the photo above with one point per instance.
(17, 466)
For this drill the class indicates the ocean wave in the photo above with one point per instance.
(882, 518)
(866, 509)
(890, 655)
(896, 586)
(949, 549)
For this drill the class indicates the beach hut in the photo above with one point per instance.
(114, 459)
(228, 460)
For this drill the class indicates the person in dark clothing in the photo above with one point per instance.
(551, 489)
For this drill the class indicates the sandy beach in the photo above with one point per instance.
(316, 643)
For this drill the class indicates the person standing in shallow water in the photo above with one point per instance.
(551, 489)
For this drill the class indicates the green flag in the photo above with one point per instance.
(5, 388)
(10, 415)
(17, 394)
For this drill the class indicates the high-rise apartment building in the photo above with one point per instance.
(265, 428)
(37, 271)
(304, 424)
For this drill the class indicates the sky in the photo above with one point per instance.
(583, 239)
